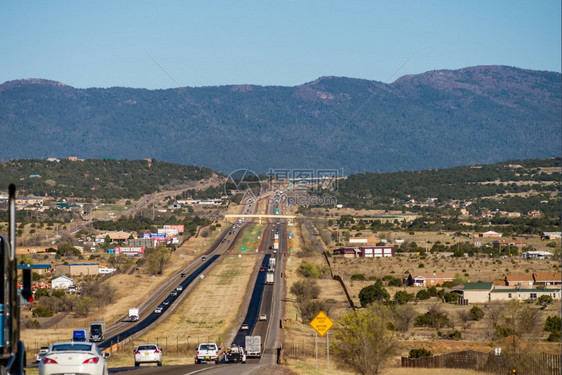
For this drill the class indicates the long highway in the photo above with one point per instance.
(264, 299)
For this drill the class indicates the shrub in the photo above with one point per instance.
(358, 276)
(402, 297)
(432, 290)
(43, 312)
(308, 270)
(552, 325)
(502, 331)
(41, 292)
(372, 293)
(419, 353)
(305, 289)
(451, 297)
(455, 335)
(435, 318)
(32, 323)
(448, 284)
(544, 300)
(395, 281)
(423, 294)
(58, 293)
(476, 313)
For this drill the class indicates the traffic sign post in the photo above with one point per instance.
(322, 324)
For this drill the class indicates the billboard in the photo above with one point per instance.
(178, 227)
(169, 232)
(130, 251)
(155, 236)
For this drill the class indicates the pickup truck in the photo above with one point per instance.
(235, 354)
(207, 352)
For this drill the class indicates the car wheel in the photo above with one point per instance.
(217, 361)
(136, 364)
(159, 363)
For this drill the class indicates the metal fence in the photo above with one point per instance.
(528, 363)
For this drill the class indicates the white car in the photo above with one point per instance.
(42, 351)
(158, 310)
(71, 357)
(148, 353)
(263, 317)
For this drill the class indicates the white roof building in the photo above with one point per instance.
(61, 282)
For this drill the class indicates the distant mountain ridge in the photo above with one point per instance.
(437, 119)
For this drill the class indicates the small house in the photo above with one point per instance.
(477, 292)
(521, 294)
(537, 254)
(489, 234)
(429, 279)
(75, 269)
(548, 278)
(519, 279)
(61, 282)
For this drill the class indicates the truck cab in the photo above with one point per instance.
(97, 330)
(80, 335)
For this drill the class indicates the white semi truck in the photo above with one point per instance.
(133, 314)
(97, 331)
(253, 346)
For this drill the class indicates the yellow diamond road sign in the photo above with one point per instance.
(321, 323)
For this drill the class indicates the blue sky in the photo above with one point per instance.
(163, 44)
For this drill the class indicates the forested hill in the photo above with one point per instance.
(96, 179)
(520, 186)
(438, 119)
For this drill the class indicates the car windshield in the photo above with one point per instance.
(146, 347)
(72, 347)
(207, 347)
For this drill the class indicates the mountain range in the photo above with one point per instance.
(438, 119)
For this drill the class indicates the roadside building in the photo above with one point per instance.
(76, 269)
(548, 278)
(522, 294)
(537, 254)
(358, 240)
(429, 279)
(346, 252)
(116, 237)
(39, 268)
(551, 235)
(519, 279)
(488, 234)
(20, 250)
(376, 251)
(505, 243)
(477, 292)
(61, 282)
